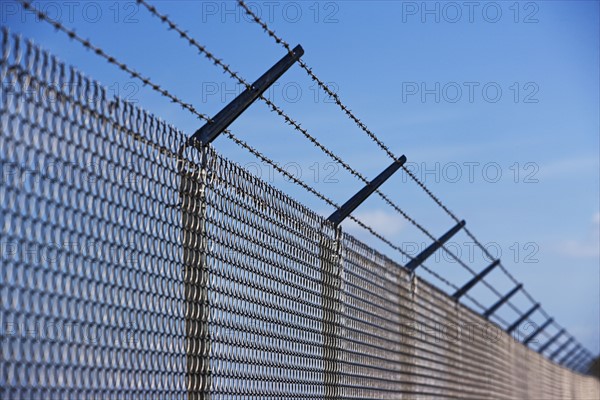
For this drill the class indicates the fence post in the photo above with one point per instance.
(331, 279)
(195, 241)
(195, 246)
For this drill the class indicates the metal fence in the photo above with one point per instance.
(134, 266)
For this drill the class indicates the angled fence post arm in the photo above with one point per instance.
(569, 354)
(560, 349)
(550, 341)
(237, 106)
(503, 300)
(538, 331)
(584, 363)
(460, 292)
(349, 206)
(573, 362)
(573, 357)
(523, 317)
(425, 254)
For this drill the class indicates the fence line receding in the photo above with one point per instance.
(135, 266)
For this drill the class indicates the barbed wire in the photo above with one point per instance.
(316, 79)
(189, 107)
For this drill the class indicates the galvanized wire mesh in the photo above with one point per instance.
(135, 266)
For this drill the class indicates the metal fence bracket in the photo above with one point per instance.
(425, 254)
(237, 106)
(503, 300)
(460, 292)
(340, 214)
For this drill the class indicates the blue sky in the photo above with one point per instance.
(500, 103)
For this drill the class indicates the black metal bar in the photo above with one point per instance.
(569, 363)
(460, 292)
(503, 300)
(584, 363)
(569, 354)
(523, 317)
(579, 361)
(560, 349)
(340, 214)
(227, 115)
(538, 331)
(418, 260)
(552, 340)
(575, 360)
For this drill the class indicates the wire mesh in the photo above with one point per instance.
(136, 266)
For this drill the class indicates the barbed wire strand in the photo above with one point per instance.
(348, 112)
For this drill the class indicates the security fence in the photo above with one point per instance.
(134, 265)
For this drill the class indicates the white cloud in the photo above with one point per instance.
(382, 222)
(579, 249)
(587, 247)
(569, 167)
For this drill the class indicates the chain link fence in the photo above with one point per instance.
(136, 266)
